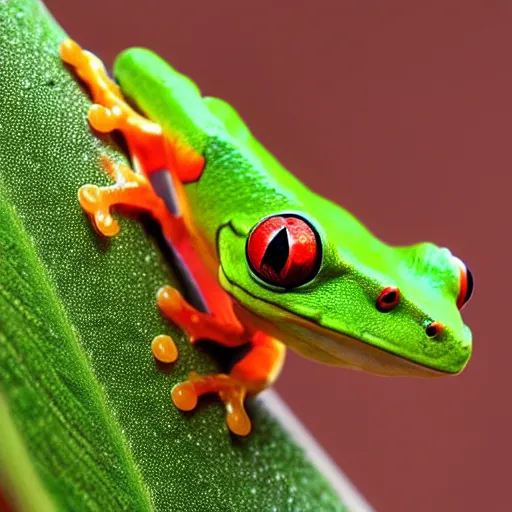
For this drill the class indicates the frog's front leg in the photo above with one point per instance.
(111, 112)
(130, 189)
(254, 372)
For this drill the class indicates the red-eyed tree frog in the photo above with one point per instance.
(276, 264)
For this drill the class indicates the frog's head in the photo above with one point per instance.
(338, 295)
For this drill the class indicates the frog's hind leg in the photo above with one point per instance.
(253, 373)
(111, 112)
(257, 370)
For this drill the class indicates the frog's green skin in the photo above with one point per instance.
(334, 317)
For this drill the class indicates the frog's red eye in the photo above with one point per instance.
(466, 283)
(284, 250)
(388, 299)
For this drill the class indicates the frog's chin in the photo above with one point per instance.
(334, 348)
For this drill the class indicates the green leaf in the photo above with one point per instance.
(17, 471)
(87, 409)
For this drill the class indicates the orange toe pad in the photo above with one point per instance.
(230, 391)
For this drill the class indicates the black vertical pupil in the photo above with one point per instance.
(470, 284)
(389, 298)
(277, 252)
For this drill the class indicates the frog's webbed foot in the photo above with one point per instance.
(230, 391)
(111, 112)
(130, 189)
(254, 372)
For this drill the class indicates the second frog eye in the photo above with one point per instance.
(466, 283)
(284, 250)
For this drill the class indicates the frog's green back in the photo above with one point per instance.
(238, 167)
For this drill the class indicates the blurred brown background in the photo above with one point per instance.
(402, 112)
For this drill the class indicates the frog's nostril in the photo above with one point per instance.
(433, 329)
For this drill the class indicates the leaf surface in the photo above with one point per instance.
(77, 316)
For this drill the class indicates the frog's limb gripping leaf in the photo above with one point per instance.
(254, 372)
(261, 365)
(148, 147)
(131, 189)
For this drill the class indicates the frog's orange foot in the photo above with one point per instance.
(91, 70)
(131, 189)
(92, 200)
(231, 391)
(84, 62)
(111, 112)
(198, 325)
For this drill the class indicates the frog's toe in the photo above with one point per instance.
(164, 349)
(184, 396)
(92, 201)
(71, 52)
(238, 421)
(231, 391)
(103, 119)
(237, 418)
(173, 305)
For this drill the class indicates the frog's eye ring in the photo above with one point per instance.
(388, 299)
(284, 250)
(466, 283)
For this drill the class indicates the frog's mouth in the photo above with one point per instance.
(335, 348)
(325, 345)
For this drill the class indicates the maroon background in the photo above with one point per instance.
(402, 113)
